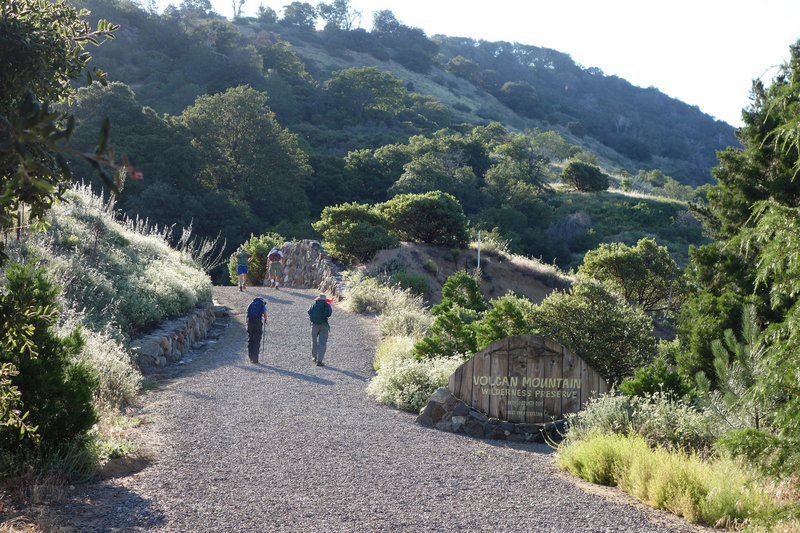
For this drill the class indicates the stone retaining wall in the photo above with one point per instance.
(306, 265)
(173, 339)
(447, 413)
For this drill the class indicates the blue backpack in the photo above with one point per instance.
(255, 309)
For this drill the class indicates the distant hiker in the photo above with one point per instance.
(256, 318)
(318, 313)
(242, 259)
(275, 267)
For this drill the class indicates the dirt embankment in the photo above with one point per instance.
(500, 273)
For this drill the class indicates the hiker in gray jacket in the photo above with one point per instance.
(318, 313)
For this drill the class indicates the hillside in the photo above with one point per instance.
(256, 125)
(501, 272)
(171, 59)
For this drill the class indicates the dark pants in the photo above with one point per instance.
(254, 331)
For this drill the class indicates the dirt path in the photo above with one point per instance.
(288, 446)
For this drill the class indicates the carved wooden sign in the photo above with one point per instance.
(526, 379)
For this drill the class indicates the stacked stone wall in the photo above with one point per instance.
(173, 339)
(307, 266)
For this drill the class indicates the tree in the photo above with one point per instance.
(612, 338)
(463, 291)
(433, 218)
(300, 14)
(359, 90)
(43, 52)
(339, 15)
(753, 212)
(644, 276)
(739, 367)
(53, 389)
(584, 177)
(431, 171)
(354, 232)
(246, 151)
(508, 315)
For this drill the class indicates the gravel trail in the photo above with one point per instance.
(287, 446)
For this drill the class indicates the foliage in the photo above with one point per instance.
(10, 415)
(460, 290)
(259, 247)
(584, 177)
(354, 232)
(43, 46)
(451, 335)
(718, 492)
(245, 151)
(407, 383)
(660, 418)
(612, 338)
(645, 276)
(416, 284)
(357, 91)
(433, 218)
(753, 212)
(738, 366)
(508, 315)
(431, 266)
(125, 272)
(654, 378)
(390, 348)
(55, 391)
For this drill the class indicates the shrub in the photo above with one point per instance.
(716, 492)
(450, 336)
(407, 383)
(417, 284)
(259, 248)
(54, 390)
(653, 378)
(392, 348)
(462, 290)
(433, 218)
(400, 312)
(118, 377)
(508, 315)
(584, 177)
(612, 338)
(431, 266)
(354, 232)
(658, 418)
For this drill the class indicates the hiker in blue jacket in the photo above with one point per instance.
(256, 318)
(318, 313)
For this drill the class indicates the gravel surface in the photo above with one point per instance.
(284, 445)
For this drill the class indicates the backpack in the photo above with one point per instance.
(255, 309)
(274, 255)
(317, 314)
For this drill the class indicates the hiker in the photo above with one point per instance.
(242, 259)
(256, 318)
(275, 267)
(318, 313)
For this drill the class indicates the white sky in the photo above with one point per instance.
(702, 52)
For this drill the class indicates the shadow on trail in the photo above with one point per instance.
(347, 373)
(263, 367)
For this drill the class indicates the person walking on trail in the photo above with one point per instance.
(242, 260)
(256, 319)
(275, 267)
(318, 313)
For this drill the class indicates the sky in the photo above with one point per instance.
(702, 52)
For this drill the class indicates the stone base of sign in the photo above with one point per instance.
(447, 413)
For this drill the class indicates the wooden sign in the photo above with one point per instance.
(526, 379)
